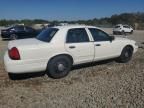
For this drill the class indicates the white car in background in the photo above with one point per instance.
(55, 50)
(122, 29)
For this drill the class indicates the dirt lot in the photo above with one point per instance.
(104, 84)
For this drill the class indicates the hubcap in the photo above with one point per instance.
(126, 54)
(13, 37)
(61, 67)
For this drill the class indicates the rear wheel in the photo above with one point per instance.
(59, 67)
(126, 55)
(13, 37)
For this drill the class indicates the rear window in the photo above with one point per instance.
(47, 34)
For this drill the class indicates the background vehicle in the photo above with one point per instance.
(19, 32)
(57, 49)
(122, 29)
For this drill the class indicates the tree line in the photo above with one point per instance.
(136, 20)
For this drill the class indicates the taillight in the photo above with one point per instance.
(14, 53)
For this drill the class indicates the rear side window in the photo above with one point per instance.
(47, 34)
(77, 35)
(126, 26)
(29, 29)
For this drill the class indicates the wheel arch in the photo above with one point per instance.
(64, 54)
(130, 47)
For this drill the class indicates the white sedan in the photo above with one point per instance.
(55, 50)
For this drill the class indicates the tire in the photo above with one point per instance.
(123, 33)
(13, 37)
(114, 33)
(59, 67)
(126, 55)
(131, 32)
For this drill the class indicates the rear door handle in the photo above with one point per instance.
(97, 44)
(72, 47)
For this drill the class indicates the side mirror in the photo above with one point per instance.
(112, 38)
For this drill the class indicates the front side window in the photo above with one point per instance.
(47, 34)
(77, 35)
(99, 35)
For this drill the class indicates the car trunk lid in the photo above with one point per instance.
(24, 42)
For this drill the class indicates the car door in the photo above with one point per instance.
(79, 46)
(105, 48)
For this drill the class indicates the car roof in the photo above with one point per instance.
(122, 25)
(74, 26)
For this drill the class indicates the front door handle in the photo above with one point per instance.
(97, 44)
(72, 47)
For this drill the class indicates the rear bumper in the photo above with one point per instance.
(19, 66)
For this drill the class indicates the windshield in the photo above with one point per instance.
(47, 34)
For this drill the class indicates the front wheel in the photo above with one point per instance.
(59, 67)
(123, 33)
(13, 37)
(126, 55)
(131, 32)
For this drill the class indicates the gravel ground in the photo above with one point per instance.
(104, 85)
